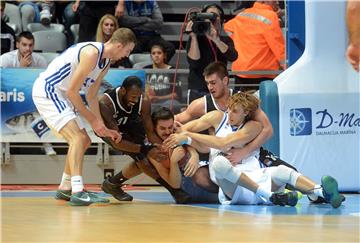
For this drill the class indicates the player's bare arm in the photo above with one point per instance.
(88, 60)
(92, 94)
(237, 139)
(195, 110)
(148, 124)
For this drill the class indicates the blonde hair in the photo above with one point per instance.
(124, 36)
(99, 32)
(247, 101)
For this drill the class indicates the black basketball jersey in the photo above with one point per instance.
(128, 121)
(210, 104)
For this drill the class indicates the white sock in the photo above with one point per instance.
(77, 184)
(263, 193)
(318, 191)
(65, 183)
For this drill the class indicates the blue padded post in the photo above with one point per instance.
(270, 105)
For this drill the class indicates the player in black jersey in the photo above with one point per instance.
(124, 109)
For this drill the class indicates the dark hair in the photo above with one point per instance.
(26, 34)
(214, 5)
(131, 81)
(216, 67)
(162, 48)
(161, 113)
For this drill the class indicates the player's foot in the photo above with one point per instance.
(115, 190)
(330, 191)
(81, 199)
(284, 198)
(63, 195)
(181, 197)
(321, 200)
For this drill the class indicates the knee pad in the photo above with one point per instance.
(283, 174)
(224, 169)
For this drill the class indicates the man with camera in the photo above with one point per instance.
(206, 45)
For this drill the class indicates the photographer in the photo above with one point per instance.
(205, 47)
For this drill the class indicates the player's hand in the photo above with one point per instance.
(235, 156)
(177, 127)
(173, 140)
(114, 135)
(191, 167)
(75, 6)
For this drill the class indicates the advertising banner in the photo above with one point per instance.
(20, 122)
(321, 136)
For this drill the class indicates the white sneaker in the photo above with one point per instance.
(45, 17)
(49, 149)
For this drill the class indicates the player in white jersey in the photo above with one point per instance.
(56, 96)
(247, 183)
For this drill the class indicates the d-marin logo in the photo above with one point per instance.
(300, 122)
(326, 123)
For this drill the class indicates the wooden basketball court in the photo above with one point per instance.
(34, 216)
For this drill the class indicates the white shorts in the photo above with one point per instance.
(57, 111)
(246, 197)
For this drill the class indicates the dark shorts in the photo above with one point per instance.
(198, 194)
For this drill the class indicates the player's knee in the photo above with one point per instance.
(285, 175)
(81, 140)
(221, 166)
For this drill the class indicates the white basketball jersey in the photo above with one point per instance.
(58, 74)
(248, 164)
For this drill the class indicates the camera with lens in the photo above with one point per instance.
(200, 24)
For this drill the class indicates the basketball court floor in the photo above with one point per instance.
(34, 216)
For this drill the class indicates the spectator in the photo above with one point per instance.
(204, 49)
(67, 13)
(7, 33)
(105, 29)
(36, 11)
(145, 19)
(90, 14)
(259, 42)
(160, 85)
(24, 57)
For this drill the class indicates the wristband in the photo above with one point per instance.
(188, 141)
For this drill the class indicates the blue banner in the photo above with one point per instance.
(19, 119)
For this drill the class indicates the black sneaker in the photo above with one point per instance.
(321, 200)
(284, 198)
(115, 190)
(181, 197)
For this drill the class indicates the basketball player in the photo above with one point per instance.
(247, 182)
(179, 164)
(124, 109)
(56, 96)
(217, 80)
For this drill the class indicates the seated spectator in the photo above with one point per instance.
(7, 33)
(24, 57)
(91, 13)
(160, 85)
(145, 19)
(106, 27)
(36, 12)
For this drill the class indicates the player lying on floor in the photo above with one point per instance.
(247, 182)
